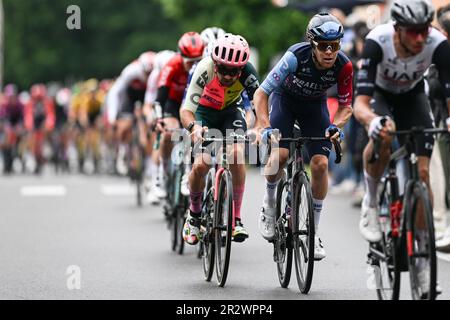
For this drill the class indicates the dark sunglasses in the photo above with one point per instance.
(227, 71)
(325, 46)
(414, 32)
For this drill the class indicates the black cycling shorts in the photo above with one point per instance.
(408, 110)
(312, 116)
(172, 109)
(129, 102)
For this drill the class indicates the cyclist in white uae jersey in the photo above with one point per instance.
(128, 89)
(390, 88)
(152, 167)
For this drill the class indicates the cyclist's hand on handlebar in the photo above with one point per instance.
(334, 133)
(159, 127)
(198, 133)
(269, 135)
(380, 128)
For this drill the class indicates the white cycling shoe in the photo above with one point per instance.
(423, 278)
(152, 198)
(369, 224)
(185, 185)
(266, 221)
(319, 251)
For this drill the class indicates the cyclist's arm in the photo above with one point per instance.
(251, 83)
(441, 60)
(345, 95)
(288, 64)
(164, 83)
(372, 55)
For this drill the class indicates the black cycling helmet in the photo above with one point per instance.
(324, 27)
(412, 12)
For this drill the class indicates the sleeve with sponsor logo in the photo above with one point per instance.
(442, 62)
(367, 68)
(345, 85)
(287, 64)
(250, 81)
(201, 77)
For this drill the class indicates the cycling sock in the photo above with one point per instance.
(371, 189)
(271, 189)
(154, 171)
(196, 201)
(238, 194)
(317, 205)
(148, 167)
(165, 165)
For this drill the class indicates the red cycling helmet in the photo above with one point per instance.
(191, 45)
(38, 91)
(231, 50)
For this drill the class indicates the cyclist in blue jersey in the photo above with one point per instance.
(296, 90)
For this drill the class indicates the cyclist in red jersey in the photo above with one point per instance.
(171, 85)
(39, 119)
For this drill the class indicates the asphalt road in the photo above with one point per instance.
(74, 237)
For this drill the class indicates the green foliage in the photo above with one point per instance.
(269, 29)
(40, 48)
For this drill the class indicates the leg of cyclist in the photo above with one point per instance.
(237, 168)
(166, 147)
(314, 119)
(200, 168)
(283, 119)
(369, 225)
(124, 124)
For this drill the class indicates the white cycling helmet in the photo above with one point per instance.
(147, 59)
(211, 34)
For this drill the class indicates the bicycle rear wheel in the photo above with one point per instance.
(223, 225)
(283, 234)
(303, 232)
(420, 243)
(206, 245)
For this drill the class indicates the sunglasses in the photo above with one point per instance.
(227, 71)
(414, 32)
(325, 46)
(191, 60)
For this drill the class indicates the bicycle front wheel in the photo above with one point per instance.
(206, 245)
(420, 243)
(283, 234)
(385, 253)
(303, 232)
(223, 227)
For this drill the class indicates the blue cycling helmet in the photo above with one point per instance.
(324, 27)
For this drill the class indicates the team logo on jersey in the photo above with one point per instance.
(201, 82)
(330, 79)
(195, 98)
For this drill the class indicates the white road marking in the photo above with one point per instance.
(43, 191)
(111, 190)
(443, 256)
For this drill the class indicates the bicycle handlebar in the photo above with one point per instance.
(415, 131)
(336, 144)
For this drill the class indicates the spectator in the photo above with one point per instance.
(440, 161)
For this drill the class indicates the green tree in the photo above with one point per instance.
(40, 47)
(269, 29)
